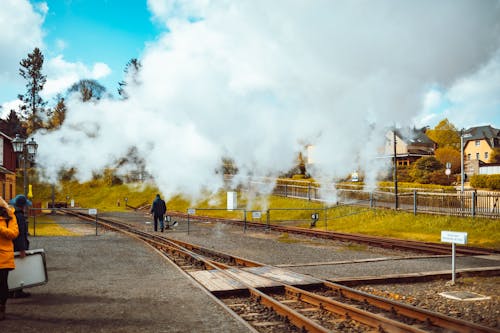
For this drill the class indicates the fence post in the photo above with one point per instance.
(414, 202)
(268, 219)
(286, 190)
(473, 205)
(244, 220)
(371, 199)
(188, 224)
(34, 224)
(309, 192)
(326, 218)
(96, 224)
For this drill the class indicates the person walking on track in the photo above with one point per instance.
(8, 232)
(158, 209)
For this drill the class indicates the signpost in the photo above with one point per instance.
(453, 237)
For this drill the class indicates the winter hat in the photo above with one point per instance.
(20, 201)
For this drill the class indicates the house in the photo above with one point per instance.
(479, 143)
(7, 167)
(411, 145)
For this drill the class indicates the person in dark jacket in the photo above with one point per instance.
(21, 243)
(158, 209)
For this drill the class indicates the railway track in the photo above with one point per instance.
(383, 242)
(320, 306)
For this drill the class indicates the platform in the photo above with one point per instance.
(257, 277)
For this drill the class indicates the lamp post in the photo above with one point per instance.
(26, 151)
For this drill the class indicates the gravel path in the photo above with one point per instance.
(112, 283)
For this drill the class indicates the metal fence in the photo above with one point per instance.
(319, 218)
(467, 203)
(41, 221)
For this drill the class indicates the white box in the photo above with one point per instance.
(30, 271)
(232, 201)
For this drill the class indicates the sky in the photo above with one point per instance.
(252, 80)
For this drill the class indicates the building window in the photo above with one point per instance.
(478, 143)
(477, 156)
(468, 157)
(486, 155)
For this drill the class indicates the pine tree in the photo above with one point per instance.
(131, 70)
(32, 108)
(12, 125)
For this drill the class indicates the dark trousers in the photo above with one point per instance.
(158, 218)
(4, 288)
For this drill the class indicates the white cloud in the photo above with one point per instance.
(100, 70)
(61, 74)
(254, 79)
(21, 31)
(173, 10)
(60, 44)
(476, 97)
(11, 105)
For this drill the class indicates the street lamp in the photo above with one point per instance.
(462, 136)
(27, 152)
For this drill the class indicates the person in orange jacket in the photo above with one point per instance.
(8, 232)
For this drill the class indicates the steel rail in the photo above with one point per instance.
(385, 242)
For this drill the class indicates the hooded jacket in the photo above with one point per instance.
(8, 232)
(158, 208)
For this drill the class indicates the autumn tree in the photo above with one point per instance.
(423, 168)
(131, 71)
(58, 114)
(495, 156)
(445, 134)
(449, 154)
(32, 108)
(88, 90)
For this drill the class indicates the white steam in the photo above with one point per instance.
(255, 80)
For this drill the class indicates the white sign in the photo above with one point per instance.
(454, 237)
(256, 215)
(447, 172)
(191, 211)
(232, 201)
(92, 211)
(72, 203)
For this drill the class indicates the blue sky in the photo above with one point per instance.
(86, 32)
(110, 31)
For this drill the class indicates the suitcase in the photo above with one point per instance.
(30, 271)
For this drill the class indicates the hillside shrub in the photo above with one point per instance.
(493, 182)
(479, 181)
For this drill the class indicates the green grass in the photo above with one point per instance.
(388, 223)
(46, 226)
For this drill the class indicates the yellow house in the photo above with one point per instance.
(481, 143)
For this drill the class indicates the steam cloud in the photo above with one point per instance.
(256, 80)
